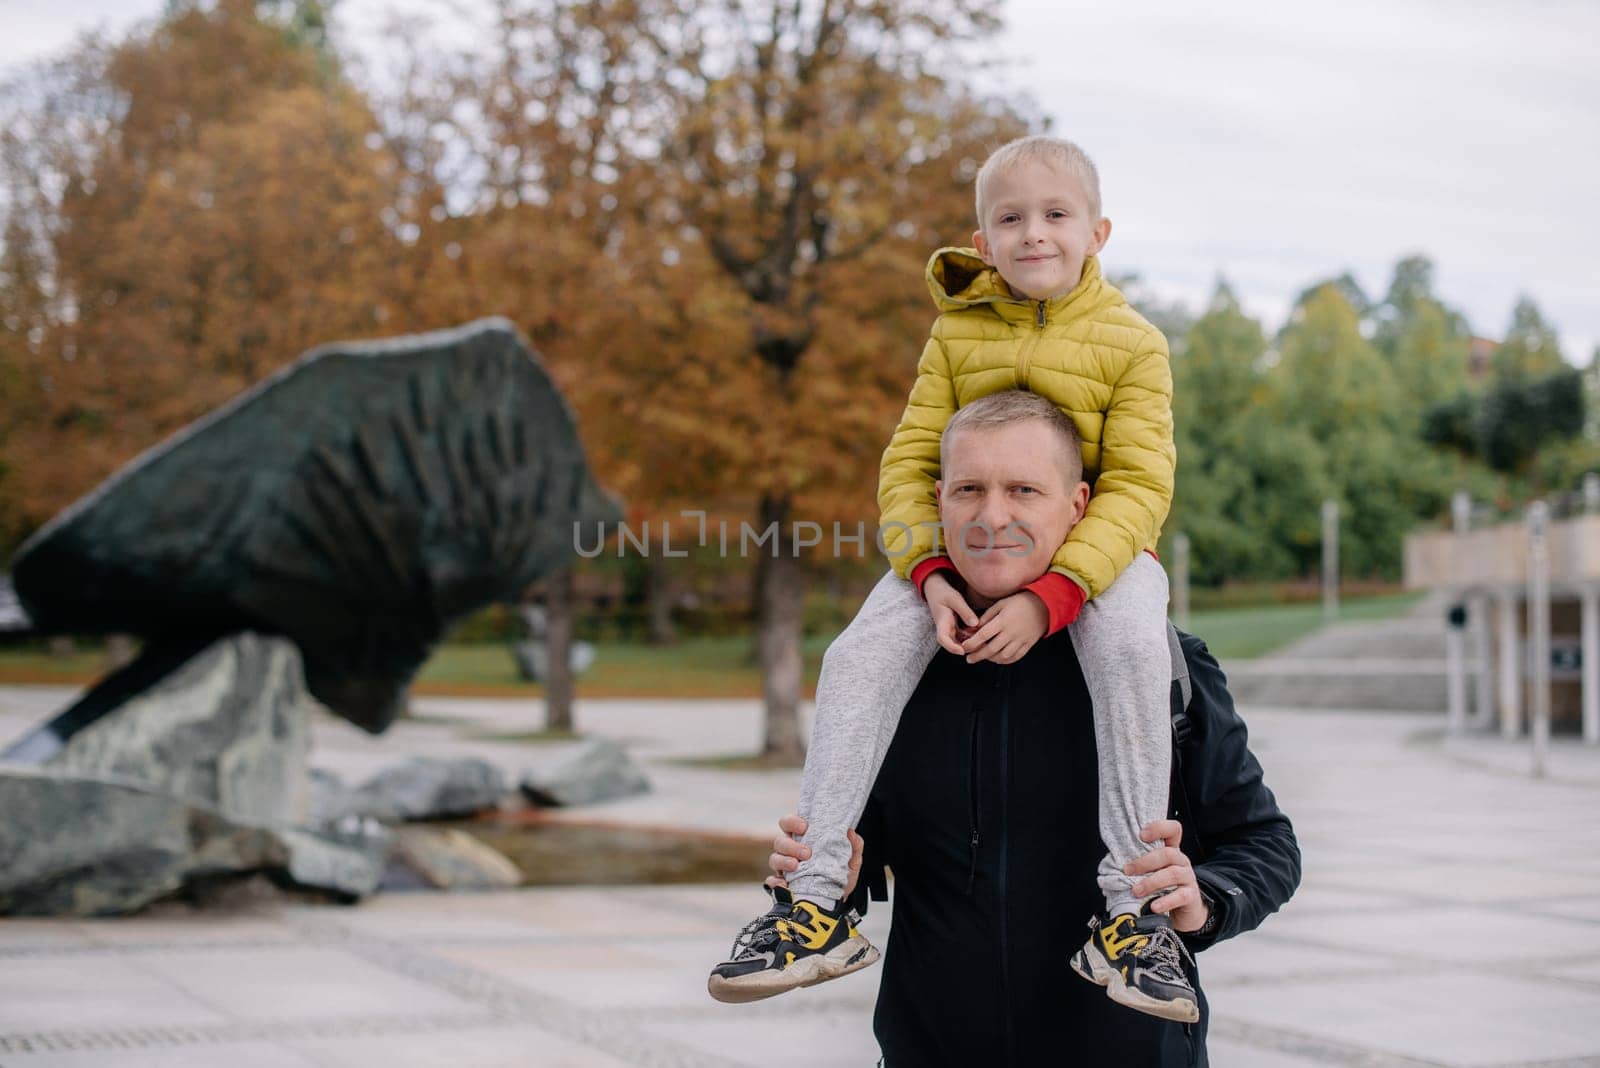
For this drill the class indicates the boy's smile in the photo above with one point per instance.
(1037, 230)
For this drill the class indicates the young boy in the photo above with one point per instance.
(1026, 309)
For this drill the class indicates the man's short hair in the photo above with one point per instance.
(1041, 148)
(1016, 406)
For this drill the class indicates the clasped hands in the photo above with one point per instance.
(1004, 633)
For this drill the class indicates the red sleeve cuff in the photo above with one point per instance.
(920, 573)
(1063, 599)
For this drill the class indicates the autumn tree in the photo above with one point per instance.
(818, 153)
(207, 200)
(714, 219)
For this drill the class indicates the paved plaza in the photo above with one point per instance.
(1450, 915)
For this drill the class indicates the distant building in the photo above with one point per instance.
(1486, 570)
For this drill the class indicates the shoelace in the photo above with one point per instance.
(759, 932)
(1160, 955)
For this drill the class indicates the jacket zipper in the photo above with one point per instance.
(1024, 360)
(1002, 681)
(972, 794)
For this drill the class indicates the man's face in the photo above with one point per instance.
(1037, 230)
(1006, 505)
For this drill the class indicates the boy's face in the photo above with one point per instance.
(1036, 230)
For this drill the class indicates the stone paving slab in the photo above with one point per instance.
(1450, 916)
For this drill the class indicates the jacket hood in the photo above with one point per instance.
(958, 278)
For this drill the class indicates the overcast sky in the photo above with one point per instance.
(1276, 144)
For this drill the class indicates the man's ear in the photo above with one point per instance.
(938, 490)
(1080, 502)
(981, 243)
(1099, 235)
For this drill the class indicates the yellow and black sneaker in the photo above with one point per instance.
(796, 943)
(1139, 960)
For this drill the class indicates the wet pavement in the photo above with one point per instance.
(1450, 915)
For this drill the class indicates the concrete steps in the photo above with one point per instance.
(1392, 665)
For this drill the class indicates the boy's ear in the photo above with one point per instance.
(1099, 236)
(981, 243)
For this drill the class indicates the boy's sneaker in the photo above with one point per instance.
(1139, 960)
(796, 943)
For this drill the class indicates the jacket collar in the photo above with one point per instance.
(958, 278)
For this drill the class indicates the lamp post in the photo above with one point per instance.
(1539, 633)
(1180, 580)
(1330, 560)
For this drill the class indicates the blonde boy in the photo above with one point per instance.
(1026, 308)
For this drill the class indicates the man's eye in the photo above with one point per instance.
(1027, 489)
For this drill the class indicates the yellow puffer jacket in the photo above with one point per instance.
(1086, 351)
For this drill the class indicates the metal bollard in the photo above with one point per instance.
(1539, 633)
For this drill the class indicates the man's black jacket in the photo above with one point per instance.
(986, 811)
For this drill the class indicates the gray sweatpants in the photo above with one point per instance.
(871, 670)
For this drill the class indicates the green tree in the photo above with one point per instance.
(1425, 342)
(1334, 385)
(1531, 346)
(1248, 487)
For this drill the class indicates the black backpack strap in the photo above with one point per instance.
(1180, 679)
(1183, 737)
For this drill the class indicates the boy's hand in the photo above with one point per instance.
(1008, 629)
(950, 611)
(787, 853)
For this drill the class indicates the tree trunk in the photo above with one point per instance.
(559, 617)
(780, 599)
(658, 598)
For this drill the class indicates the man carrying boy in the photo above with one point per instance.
(1027, 309)
(975, 973)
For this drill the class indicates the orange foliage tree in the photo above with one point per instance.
(711, 219)
(714, 221)
(188, 211)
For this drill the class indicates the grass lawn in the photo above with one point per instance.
(721, 667)
(1243, 633)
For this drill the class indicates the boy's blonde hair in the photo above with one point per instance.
(1041, 148)
(1017, 406)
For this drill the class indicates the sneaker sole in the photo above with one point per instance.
(850, 956)
(1093, 967)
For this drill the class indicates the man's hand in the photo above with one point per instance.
(1007, 630)
(1166, 867)
(949, 609)
(788, 853)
